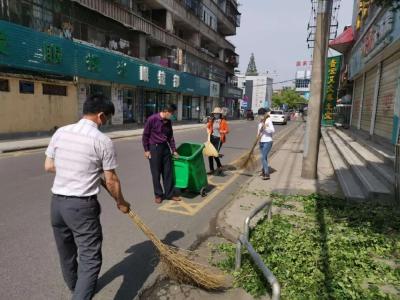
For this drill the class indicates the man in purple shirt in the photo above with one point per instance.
(159, 146)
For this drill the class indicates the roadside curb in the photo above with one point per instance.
(156, 277)
(43, 142)
(223, 227)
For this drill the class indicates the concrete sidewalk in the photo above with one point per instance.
(37, 143)
(286, 162)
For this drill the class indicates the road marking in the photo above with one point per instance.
(191, 209)
(20, 153)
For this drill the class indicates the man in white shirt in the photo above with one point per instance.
(265, 131)
(79, 154)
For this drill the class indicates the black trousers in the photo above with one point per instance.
(76, 227)
(216, 141)
(161, 166)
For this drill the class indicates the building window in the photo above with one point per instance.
(302, 83)
(52, 89)
(26, 87)
(4, 85)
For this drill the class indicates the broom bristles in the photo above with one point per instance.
(178, 266)
(248, 162)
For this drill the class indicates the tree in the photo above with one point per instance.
(289, 97)
(251, 68)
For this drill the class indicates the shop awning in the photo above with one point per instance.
(344, 41)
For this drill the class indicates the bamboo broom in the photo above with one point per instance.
(177, 265)
(248, 161)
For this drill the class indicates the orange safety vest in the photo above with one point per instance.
(223, 129)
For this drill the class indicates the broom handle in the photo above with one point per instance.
(258, 136)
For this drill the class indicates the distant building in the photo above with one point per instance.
(303, 78)
(257, 89)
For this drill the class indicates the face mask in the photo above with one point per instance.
(217, 117)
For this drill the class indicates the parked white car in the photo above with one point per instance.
(278, 117)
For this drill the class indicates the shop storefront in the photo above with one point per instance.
(232, 96)
(130, 106)
(136, 87)
(375, 69)
(155, 101)
(191, 107)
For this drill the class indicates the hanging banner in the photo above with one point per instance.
(332, 75)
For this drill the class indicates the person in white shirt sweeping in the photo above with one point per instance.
(265, 132)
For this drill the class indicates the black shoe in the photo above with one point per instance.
(266, 177)
(211, 172)
(220, 171)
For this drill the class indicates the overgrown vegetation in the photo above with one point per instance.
(333, 250)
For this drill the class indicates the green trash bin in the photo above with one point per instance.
(189, 170)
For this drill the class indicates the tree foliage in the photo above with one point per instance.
(289, 97)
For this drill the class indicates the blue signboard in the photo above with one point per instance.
(24, 48)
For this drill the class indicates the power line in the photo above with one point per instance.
(265, 84)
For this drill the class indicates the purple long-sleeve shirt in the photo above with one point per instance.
(158, 131)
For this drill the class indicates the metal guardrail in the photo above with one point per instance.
(244, 241)
(397, 174)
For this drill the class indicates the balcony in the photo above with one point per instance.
(227, 24)
(131, 20)
(231, 59)
(189, 17)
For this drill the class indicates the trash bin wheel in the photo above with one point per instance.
(203, 192)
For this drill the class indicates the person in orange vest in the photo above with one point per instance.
(217, 128)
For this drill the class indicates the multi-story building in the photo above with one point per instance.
(303, 78)
(142, 54)
(257, 90)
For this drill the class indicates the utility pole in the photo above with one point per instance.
(313, 126)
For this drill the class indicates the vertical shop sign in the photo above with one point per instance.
(330, 89)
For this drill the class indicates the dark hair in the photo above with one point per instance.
(98, 104)
(262, 111)
(171, 108)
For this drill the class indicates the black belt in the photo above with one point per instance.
(93, 197)
(160, 144)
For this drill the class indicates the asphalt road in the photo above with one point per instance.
(29, 267)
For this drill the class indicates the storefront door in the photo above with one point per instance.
(195, 108)
(96, 89)
(386, 97)
(187, 108)
(130, 111)
(369, 93)
(150, 104)
(358, 93)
